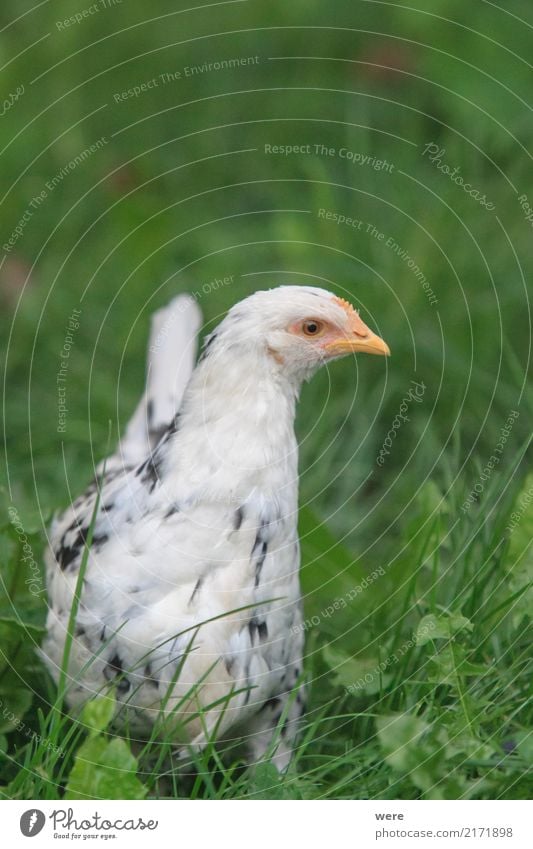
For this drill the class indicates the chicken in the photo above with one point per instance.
(191, 603)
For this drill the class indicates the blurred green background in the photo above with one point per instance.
(182, 190)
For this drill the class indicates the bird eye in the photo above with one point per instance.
(312, 327)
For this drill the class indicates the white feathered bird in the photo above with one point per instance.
(191, 602)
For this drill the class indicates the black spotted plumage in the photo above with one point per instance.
(114, 672)
(260, 550)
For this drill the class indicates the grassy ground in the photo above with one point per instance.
(417, 563)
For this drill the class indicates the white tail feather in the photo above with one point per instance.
(171, 357)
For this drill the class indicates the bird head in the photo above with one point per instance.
(298, 329)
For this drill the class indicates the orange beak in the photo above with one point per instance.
(359, 337)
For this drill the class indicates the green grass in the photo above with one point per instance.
(419, 676)
(426, 696)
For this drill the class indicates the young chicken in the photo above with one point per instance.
(191, 601)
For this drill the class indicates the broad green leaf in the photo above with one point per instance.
(462, 742)
(450, 666)
(441, 627)
(266, 783)
(417, 751)
(104, 769)
(397, 734)
(355, 675)
(98, 713)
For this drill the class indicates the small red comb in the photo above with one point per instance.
(346, 305)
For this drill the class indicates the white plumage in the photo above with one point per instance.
(191, 594)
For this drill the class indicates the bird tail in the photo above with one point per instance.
(171, 356)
